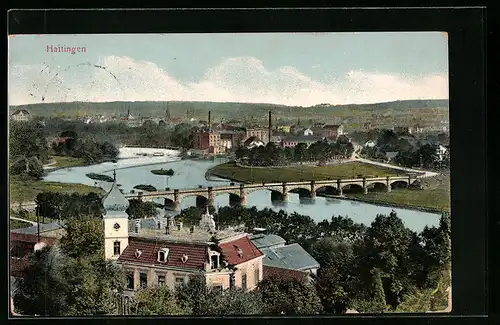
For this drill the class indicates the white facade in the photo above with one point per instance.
(20, 116)
(115, 234)
(308, 132)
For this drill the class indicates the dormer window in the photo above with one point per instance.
(163, 254)
(214, 258)
(240, 252)
(138, 253)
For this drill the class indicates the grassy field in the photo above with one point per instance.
(22, 190)
(16, 224)
(299, 173)
(435, 195)
(65, 162)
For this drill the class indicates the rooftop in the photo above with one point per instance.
(266, 241)
(310, 138)
(289, 257)
(114, 202)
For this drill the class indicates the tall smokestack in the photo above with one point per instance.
(209, 121)
(269, 127)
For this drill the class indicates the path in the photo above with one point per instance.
(24, 220)
(50, 165)
(426, 173)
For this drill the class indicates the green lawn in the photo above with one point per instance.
(295, 174)
(16, 224)
(22, 190)
(435, 195)
(66, 161)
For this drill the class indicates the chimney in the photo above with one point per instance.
(209, 121)
(167, 230)
(191, 229)
(137, 226)
(179, 226)
(269, 127)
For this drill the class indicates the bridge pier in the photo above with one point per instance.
(284, 192)
(211, 196)
(365, 188)
(388, 185)
(139, 196)
(339, 187)
(177, 202)
(243, 195)
(313, 190)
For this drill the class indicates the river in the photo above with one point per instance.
(191, 173)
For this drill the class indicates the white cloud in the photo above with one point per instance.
(240, 79)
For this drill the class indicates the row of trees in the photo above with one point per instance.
(272, 155)
(28, 149)
(409, 155)
(62, 206)
(90, 150)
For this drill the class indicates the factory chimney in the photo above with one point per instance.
(269, 127)
(209, 121)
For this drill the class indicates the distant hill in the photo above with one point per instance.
(223, 110)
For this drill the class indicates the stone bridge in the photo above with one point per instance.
(279, 191)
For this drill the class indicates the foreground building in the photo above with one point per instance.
(166, 253)
(282, 260)
(20, 115)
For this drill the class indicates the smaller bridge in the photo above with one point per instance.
(279, 191)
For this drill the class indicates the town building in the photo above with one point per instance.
(293, 141)
(284, 260)
(253, 142)
(370, 144)
(332, 131)
(261, 133)
(210, 141)
(168, 253)
(390, 155)
(307, 132)
(284, 128)
(23, 242)
(403, 130)
(20, 115)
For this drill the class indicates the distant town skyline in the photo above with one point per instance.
(296, 69)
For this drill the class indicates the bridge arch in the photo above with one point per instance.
(201, 201)
(169, 204)
(377, 187)
(301, 191)
(328, 190)
(399, 184)
(352, 188)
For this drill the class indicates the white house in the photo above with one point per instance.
(21, 115)
(441, 151)
(370, 144)
(308, 132)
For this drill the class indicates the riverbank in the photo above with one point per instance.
(300, 173)
(26, 190)
(434, 198)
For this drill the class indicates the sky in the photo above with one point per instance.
(296, 69)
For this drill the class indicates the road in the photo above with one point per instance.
(24, 220)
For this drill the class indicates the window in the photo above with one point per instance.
(143, 280)
(163, 255)
(179, 281)
(116, 248)
(161, 280)
(243, 281)
(130, 281)
(256, 275)
(214, 262)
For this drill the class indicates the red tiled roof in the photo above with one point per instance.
(197, 253)
(62, 139)
(249, 250)
(30, 238)
(276, 272)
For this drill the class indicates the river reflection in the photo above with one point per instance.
(191, 174)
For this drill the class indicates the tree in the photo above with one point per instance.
(27, 166)
(49, 204)
(291, 297)
(418, 301)
(158, 301)
(376, 300)
(83, 238)
(333, 288)
(138, 209)
(93, 284)
(43, 290)
(233, 302)
(301, 152)
(193, 294)
(29, 139)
